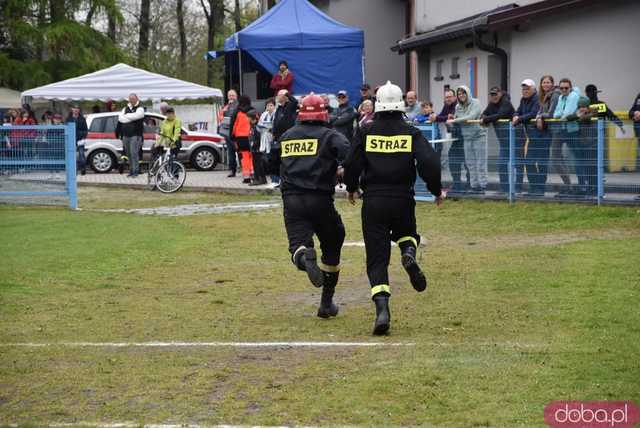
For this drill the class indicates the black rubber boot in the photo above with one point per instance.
(307, 261)
(327, 307)
(417, 277)
(383, 317)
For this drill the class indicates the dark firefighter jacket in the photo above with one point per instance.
(386, 153)
(310, 155)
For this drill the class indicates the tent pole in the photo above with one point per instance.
(240, 69)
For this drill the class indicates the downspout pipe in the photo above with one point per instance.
(500, 53)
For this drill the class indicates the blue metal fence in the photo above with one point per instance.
(587, 161)
(38, 164)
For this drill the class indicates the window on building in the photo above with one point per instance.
(454, 68)
(439, 77)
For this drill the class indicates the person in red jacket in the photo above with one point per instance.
(283, 79)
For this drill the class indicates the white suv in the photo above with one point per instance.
(201, 150)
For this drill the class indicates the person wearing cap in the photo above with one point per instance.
(537, 156)
(600, 107)
(382, 162)
(311, 156)
(365, 94)
(224, 128)
(76, 117)
(345, 115)
(283, 79)
(584, 148)
(169, 134)
(498, 110)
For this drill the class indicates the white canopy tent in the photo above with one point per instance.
(117, 82)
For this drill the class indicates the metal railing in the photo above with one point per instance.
(38, 164)
(587, 161)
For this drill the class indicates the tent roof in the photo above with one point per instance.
(117, 82)
(295, 24)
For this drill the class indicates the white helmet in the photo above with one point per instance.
(389, 98)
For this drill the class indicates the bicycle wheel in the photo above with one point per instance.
(151, 173)
(170, 176)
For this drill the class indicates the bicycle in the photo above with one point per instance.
(166, 173)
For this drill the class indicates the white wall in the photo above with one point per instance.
(432, 13)
(599, 46)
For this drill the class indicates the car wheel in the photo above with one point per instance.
(102, 161)
(204, 159)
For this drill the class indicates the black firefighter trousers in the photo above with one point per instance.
(309, 214)
(386, 219)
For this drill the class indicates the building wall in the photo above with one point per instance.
(432, 13)
(383, 23)
(598, 45)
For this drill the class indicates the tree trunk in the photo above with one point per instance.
(143, 41)
(182, 36)
(92, 11)
(111, 27)
(57, 11)
(236, 16)
(42, 16)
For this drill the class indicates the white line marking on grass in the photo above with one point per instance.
(208, 344)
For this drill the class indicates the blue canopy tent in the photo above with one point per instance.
(323, 54)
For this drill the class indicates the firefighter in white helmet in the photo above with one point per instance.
(382, 162)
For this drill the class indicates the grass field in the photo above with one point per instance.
(527, 304)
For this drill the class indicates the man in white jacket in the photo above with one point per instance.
(130, 130)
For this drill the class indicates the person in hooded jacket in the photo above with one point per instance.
(524, 123)
(382, 162)
(498, 113)
(565, 132)
(311, 155)
(474, 136)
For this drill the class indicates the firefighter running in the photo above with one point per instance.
(386, 152)
(311, 154)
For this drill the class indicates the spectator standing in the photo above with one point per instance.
(283, 119)
(28, 137)
(564, 133)
(283, 79)
(76, 117)
(365, 94)
(366, 115)
(130, 130)
(453, 148)
(600, 107)
(499, 109)
(264, 128)
(475, 139)
(240, 133)
(330, 110)
(634, 115)
(548, 96)
(537, 156)
(224, 128)
(412, 108)
(584, 148)
(345, 116)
